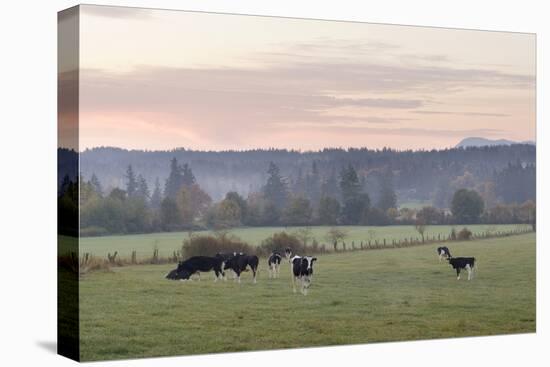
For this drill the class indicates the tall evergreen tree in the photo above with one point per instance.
(356, 203)
(142, 189)
(276, 188)
(313, 185)
(156, 197)
(299, 184)
(349, 183)
(96, 185)
(188, 178)
(131, 182)
(387, 198)
(174, 180)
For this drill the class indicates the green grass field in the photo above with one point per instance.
(415, 204)
(356, 297)
(167, 242)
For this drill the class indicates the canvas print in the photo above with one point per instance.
(237, 183)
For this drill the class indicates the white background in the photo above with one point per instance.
(28, 183)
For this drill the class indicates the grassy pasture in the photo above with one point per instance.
(167, 242)
(415, 204)
(356, 297)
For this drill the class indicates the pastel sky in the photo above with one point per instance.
(154, 79)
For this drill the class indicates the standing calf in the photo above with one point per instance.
(274, 263)
(302, 269)
(460, 263)
(443, 252)
(239, 262)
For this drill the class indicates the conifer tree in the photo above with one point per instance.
(131, 182)
(276, 188)
(156, 197)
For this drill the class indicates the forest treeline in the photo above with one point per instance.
(351, 196)
(417, 175)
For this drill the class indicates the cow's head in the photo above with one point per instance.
(309, 263)
(288, 253)
(172, 275)
(178, 274)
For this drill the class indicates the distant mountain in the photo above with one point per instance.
(481, 142)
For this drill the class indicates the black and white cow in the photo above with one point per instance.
(274, 263)
(239, 262)
(443, 252)
(225, 256)
(459, 263)
(302, 269)
(197, 264)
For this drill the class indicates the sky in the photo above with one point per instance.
(157, 80)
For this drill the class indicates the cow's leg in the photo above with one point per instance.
(306, 282)
(469, 269)
(271, 272)
(457, 273)
(254, 274)
(293, 279)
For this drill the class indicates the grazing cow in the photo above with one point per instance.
(197, 264)
(459, 263)
(443, 252)
(225, 256)
(274, 263)
(302, 269)
(173, 275)
(239, 262)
